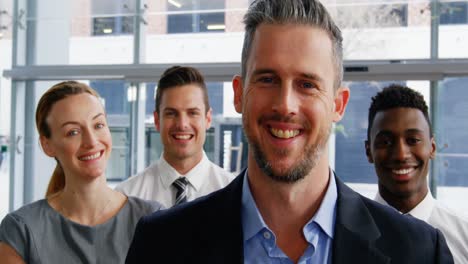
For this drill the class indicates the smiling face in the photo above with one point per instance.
(287, 99)
(182, 122)
(400, 147)
(80, 138)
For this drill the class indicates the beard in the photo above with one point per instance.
(299, 170)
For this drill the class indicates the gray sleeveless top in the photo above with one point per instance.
(41, 235)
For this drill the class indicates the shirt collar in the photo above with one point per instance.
(325, 215)
(195, 176)
(252, 221)
(421, 211)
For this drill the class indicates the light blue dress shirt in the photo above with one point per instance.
(260, 242)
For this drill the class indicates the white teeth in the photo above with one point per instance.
(284, 133)
(184, 137)
(91, 157)
(403, 171)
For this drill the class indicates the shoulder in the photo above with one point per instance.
(19, 227)
(446, 214)
(220, 172)
(453, 225)
(148, 174)
(32, 211)
(384, 224)
(200, 223)
(144, 206)
(204, 212)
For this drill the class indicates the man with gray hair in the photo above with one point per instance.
(287, 206)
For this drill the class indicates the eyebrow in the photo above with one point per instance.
(311, 76)
(75, 122)
(189, 109)
(389, 133)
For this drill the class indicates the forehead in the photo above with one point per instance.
(80, 106)
(399, 120)
(184, 96)
(293, 47)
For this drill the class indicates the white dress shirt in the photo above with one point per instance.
(155, 182)
(453, 226)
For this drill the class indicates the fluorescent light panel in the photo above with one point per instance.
(216, 26)
(174, 3)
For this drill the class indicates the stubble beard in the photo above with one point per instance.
(297, 171)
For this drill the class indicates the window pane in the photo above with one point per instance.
(453, 29)
(81, 32)
(6, 14)
(192, 31)
(383, 29)
(452, 151)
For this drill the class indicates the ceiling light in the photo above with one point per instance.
(174, 3)
(216, 26)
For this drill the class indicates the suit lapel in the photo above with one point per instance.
(228, 218)
(355, 230)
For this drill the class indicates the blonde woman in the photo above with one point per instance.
(81, 220)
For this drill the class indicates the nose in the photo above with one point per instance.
(285, 101)
(401, 151)
(89, 139)
(182, 121)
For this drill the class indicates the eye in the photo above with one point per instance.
(413, 141)
(169, 114)
(383, 142)
(307, 84)
(266, 79)
(73, 132)
(100, 125)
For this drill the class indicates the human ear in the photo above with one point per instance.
(238, 89)
(156, 120)
(209, 115)
(47, 146)
(368, 152)
(340, 102)
(433, 148)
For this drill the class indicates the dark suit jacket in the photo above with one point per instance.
(209, 230)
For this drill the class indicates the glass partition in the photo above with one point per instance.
(6, 30)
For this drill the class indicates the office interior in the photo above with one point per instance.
(121, 48)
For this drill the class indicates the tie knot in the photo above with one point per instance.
(180, 184)
(181, 187)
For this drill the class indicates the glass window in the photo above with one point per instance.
(107, 19)
(6, 22)
(81, 32)
(195, 16)
(378, 30)
(453, 13)
(453, 29)
(212, 31)
(452, 151)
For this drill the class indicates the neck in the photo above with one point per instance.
(87, 203)
(183, 165)
(287, 207)
(403, 203)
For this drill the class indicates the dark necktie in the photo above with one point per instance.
(181, 186)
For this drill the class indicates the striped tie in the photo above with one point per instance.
(181, 186)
